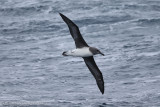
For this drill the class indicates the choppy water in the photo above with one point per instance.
(33, 36)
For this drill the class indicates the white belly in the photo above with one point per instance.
(80, 52)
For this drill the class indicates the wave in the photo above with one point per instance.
(135, 7)
(148, 21)
(30, 27)
(21, 11)
(142, 7)
(155, 7)
(104, 19)
(149, 54)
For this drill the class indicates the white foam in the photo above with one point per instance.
(149, 54)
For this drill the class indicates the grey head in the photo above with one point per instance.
(95, 51)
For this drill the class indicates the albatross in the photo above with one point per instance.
(85, 51)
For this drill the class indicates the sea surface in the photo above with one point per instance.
(33, 72)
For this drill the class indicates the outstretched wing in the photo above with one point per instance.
(95, 72)
(74, 30)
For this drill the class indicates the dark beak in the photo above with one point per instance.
(64, 54)
(101, 53)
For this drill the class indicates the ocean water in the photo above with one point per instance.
(33, 73)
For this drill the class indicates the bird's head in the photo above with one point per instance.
(95, 51)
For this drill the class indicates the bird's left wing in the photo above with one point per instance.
(74, 30)
(95, 71)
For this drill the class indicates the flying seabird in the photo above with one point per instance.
(85, 51)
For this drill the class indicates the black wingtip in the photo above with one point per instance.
(101, 86)
(102, 90)
(67, 20)
(63, 16)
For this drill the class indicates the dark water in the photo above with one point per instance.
(34, 73)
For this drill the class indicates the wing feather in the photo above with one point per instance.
(74, 30)
(95, 72)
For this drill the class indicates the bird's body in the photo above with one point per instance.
(79, 52)
(85, 51)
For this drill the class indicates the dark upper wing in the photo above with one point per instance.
(74, 30)
(95, 71)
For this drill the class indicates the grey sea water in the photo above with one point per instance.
(33, 73)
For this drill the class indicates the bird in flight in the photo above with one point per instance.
(85, 51)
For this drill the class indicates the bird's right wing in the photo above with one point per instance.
(95, 71)
(74, 30)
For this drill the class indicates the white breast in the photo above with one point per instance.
(80, 52)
